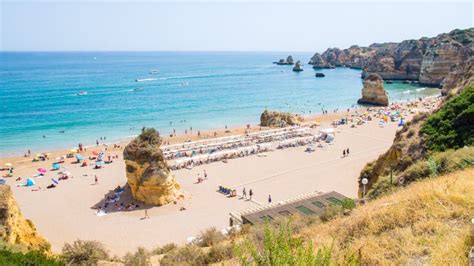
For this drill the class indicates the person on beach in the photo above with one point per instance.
(199, 179)
(205, 174)
(250, 194)
(96, 180)
(97, 142)
(244, 193)
(343, 153)
(347, 151)
(146, 214)
(269, 199)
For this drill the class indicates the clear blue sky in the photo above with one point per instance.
(220, 26)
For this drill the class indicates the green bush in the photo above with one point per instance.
(279, 247)
(32, 258)
(84, 252)
(440, 163)
(452, 126)
(140, 258)
(332, 211)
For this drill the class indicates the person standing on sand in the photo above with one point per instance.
(96, 179)
(343, 153)
(250, 194)
(205, 174)
(244, 193)
(347, 151)
(146, 214)
(269, 199)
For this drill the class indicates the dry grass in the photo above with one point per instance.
(427, 222)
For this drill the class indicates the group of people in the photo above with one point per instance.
(345, 152)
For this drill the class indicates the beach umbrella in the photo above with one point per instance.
(42, 170)
(79, 157)
(30, 182)
(56, 166)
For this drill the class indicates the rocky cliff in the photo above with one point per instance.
(427, 60)
(148, 174)
(373, 92)
(279, 119)
(15, 230)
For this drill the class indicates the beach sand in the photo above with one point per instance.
(67, 213)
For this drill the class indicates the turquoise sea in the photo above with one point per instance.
(204, 90)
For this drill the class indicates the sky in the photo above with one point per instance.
(220, 25)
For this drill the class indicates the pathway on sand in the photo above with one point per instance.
(64, 214)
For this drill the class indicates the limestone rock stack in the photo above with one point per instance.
(148, 174)
(373, 92)
(15, 230)
(279, 119)
(298, 67)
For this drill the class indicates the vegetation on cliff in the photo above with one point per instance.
(452, 127)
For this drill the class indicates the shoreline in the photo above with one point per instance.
(19, 159)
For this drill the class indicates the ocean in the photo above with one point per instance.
(203, 90)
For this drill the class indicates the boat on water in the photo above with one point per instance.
(138, 89)
(81, 93)
(145, 79)
(154, 71)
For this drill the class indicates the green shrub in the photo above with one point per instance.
(140, 258)
(84, 252)
(452, 126)
(211, 237)
(32, 258)
(279, 247)
(187, 255)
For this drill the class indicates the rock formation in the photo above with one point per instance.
(279, 119)
(373, 92)
(288, 61)
(148, 174)
(427, 60)
(460, 76)
(320, 75)
(15, 230)
(298, 67)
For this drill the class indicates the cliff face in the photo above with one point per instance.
(279, 119)
(148, 174)
(427, 60)
(15, 230)
(373, 92)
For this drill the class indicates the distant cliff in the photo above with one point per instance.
(427, 60)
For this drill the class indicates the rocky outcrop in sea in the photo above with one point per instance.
(373, 92)
(427, 60)
(288, 61)
(298, 67)
(279, 119)
(148, 174)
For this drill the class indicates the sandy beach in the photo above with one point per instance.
(67, 212)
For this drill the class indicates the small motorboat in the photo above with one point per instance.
(81, 93)
(138, 89)
(155, 71)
